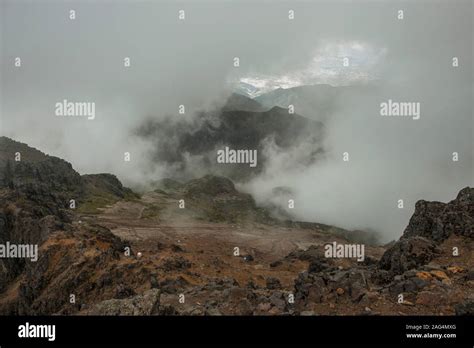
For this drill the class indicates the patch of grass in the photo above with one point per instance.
(152, 211)
(92, 203)
(97, 198)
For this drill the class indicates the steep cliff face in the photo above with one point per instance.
(75, 262)
(430, 225)
(35, 202)
(437, 221)
(48, 181)
(34, 193)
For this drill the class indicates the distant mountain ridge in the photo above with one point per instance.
(247, 89)
(242, 123)
(238, 102)
(316, 102)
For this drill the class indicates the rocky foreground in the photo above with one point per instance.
(204, 248)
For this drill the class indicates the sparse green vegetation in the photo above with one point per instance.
(152, 211)
(99, 196)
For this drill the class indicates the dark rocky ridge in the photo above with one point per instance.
(35, 195)
(50, 181)
(410, 267)
(242, 103)
(431, 223)
(175, 140)
(437, 221)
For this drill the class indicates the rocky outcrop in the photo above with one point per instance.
(106, 184)
(147, 303)
(406, 268)
(218, 199)
(46, 181)
(408, 253)
(432, 223)
(50, 183)
(68, 263)
(35, 197)
(329, 285)
(437, 221)
(465, 308)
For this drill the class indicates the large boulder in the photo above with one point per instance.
(437, 221)
(408, 253)
(432, 223)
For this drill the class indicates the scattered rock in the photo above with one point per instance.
(248, 258)
(178, 263)
(177, 248)
(455, 269)
(145, 304)
(408, 253)
(172, 286)
(407, 303)
(424, 275)
(316, 266)
(153, 282)
(276, 263)
(469, 276)
(273, 283)
(122, 291)
(440, 275)
(264, 307)
(251, 285)
(213, 311)
(369, 297)
(428, 298)
(465, 308)
(277, 299)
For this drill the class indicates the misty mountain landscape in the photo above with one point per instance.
(205, 167)
(242, 123)
(191, 251)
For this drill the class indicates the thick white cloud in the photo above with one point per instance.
(326, 66)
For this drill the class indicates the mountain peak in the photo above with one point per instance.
(241, 102)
